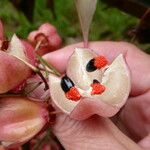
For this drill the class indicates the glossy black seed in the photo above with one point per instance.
(66, 83)
(95, 81)
(90, 66)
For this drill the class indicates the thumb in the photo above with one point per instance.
(94, 133)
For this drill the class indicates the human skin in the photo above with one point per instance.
(97, 133)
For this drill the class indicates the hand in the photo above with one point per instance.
(97, 133)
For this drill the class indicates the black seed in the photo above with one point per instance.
(66, 83)
(95, 81)
(90, 66)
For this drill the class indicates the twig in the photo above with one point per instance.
(38, 45)
(41, 142)
(48, 65)
(36, 86)
(46, 69)
(44, 80)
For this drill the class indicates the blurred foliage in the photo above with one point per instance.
(108, 23)
(146, 2)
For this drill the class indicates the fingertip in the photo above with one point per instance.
(59, 58)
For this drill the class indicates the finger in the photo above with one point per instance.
(137, 61)
(1, 147)
(60, 58)
(108, 49)
(145, 143)
(94, 133)
(136, 116)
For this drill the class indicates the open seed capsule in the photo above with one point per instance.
(105, 96)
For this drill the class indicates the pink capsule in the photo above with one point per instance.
(20, 120)
(47, 38)
(47, 29)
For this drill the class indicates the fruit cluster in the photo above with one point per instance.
(24, 108)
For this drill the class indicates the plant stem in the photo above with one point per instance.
(38, 45)
(36, 86)
(56, 72)
(44, 80)
(41, 141)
